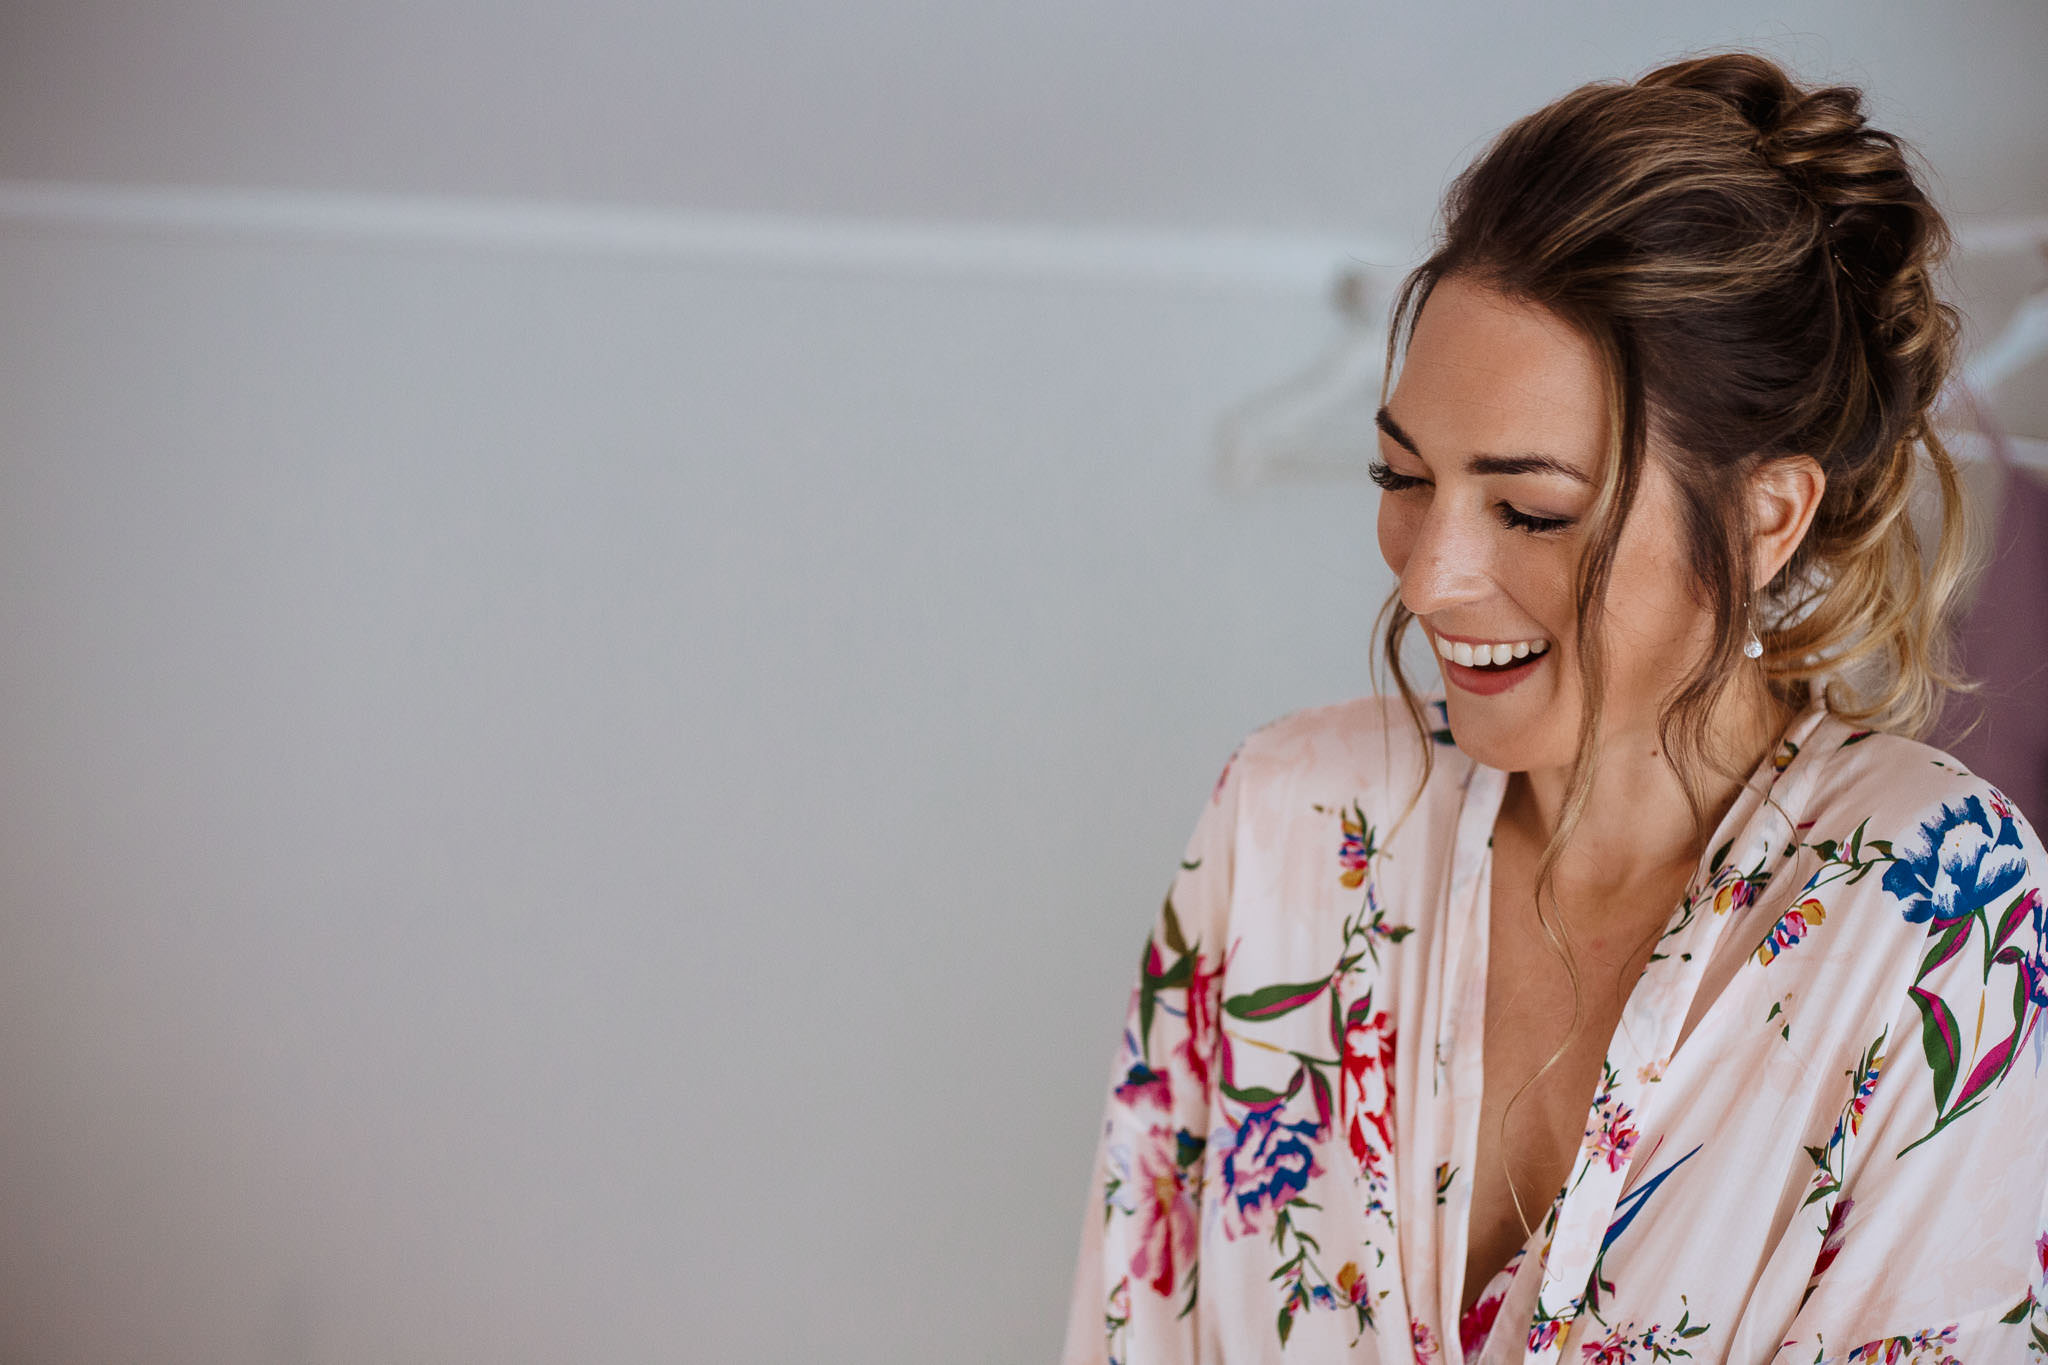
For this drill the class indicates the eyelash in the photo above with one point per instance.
(1512, 516)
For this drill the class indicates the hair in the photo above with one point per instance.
(1753, 264)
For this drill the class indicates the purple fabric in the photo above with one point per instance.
(2004, 642)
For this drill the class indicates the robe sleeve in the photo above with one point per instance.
(1135, 1283)
(1936, 1242)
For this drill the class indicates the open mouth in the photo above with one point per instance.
(1482, 674)
(1500, 670)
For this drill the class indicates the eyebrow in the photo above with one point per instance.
(1531, 463)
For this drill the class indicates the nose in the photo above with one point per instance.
(1446, 565)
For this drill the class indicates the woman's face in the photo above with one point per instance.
(1492, 443)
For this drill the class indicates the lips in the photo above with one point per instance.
(1480, 653)
(1492, 679)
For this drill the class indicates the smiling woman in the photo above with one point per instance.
(1652, 993)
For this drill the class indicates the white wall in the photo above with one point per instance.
(1308, 115)
(585, 788)
(558, 807)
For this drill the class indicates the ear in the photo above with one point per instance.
(1783, 496)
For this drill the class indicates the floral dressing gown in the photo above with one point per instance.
(1820, 1135)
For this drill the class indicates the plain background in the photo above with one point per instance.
(612, 618)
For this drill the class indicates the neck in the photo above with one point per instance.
(1636, 827)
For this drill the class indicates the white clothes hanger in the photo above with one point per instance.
(1320, 424)
(2024, 341)
(2021, 344)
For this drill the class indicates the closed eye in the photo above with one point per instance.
(1511, 516)
(1523, 521)
(1386, 478)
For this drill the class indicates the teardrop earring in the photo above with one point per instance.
(1752, 647)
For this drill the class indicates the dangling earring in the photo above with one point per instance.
(1753, 647)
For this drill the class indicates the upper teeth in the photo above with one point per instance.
(1458, 652)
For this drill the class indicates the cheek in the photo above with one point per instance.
(1396, 535)
(1651, 602)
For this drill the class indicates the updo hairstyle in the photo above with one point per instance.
(1754, 263)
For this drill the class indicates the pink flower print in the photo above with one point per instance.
(1351, 1283)
(1142, 1087)
(2041, 1251)
(1612, 1138)
(1613, 1349)
(1542, 1334)
(1365, 1085)
(1205, 1009)
(1734, 896)
(1791, 927)
(1999, 805)
(1423, 1340)
(1351, 854)
(1166, 1216)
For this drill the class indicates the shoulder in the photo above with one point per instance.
(1934, 814)
(1361, 745)
(1954, 874)
(1943, 877)
(1358, 775)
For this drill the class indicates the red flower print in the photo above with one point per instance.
(2041, 1251)
(1477, 1323)
(1365, 1086)
(1424, 1342)
(1831, 1239)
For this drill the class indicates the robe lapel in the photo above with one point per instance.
(1733, 870)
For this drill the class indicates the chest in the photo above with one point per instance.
(1544, 1043)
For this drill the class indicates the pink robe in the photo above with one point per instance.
(1821, 1133)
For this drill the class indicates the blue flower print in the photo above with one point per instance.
(1972, 858)
(1267, 1162)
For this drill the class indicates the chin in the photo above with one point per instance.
(1511, 736)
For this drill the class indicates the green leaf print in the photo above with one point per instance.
(1174, 938)
(1940, 1039)
(1270, 1002)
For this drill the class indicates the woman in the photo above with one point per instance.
(1653, 994)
